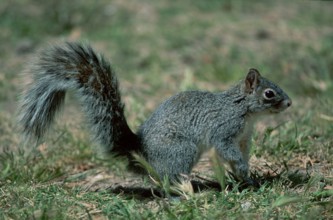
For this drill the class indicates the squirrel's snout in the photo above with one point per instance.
(287, 102)
(281, 106)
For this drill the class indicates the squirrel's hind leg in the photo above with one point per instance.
(173, 159)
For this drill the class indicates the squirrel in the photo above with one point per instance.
(173, 138)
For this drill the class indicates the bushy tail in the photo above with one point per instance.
(77, 67)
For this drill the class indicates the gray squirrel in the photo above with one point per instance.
(173, 138)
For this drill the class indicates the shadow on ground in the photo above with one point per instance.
(291, 179)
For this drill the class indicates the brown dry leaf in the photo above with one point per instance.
(328, 187)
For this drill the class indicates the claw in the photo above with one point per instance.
(251, 183)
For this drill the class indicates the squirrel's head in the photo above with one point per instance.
(263, 95)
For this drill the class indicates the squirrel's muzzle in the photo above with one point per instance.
(284, 104)
(281, 106)
(287, 102)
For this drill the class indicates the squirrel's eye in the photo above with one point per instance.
(269, 93)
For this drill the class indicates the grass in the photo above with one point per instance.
(159, 48)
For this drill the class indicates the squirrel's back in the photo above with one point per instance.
(191, 113)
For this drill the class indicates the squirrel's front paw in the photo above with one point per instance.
(249, 182)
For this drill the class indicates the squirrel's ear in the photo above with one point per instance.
(252, 80)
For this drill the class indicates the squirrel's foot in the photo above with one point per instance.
(249, 182)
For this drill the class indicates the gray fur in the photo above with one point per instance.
(74, 67)
(173, 138)
(190, 122)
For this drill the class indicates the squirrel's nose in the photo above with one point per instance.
(287, 102)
